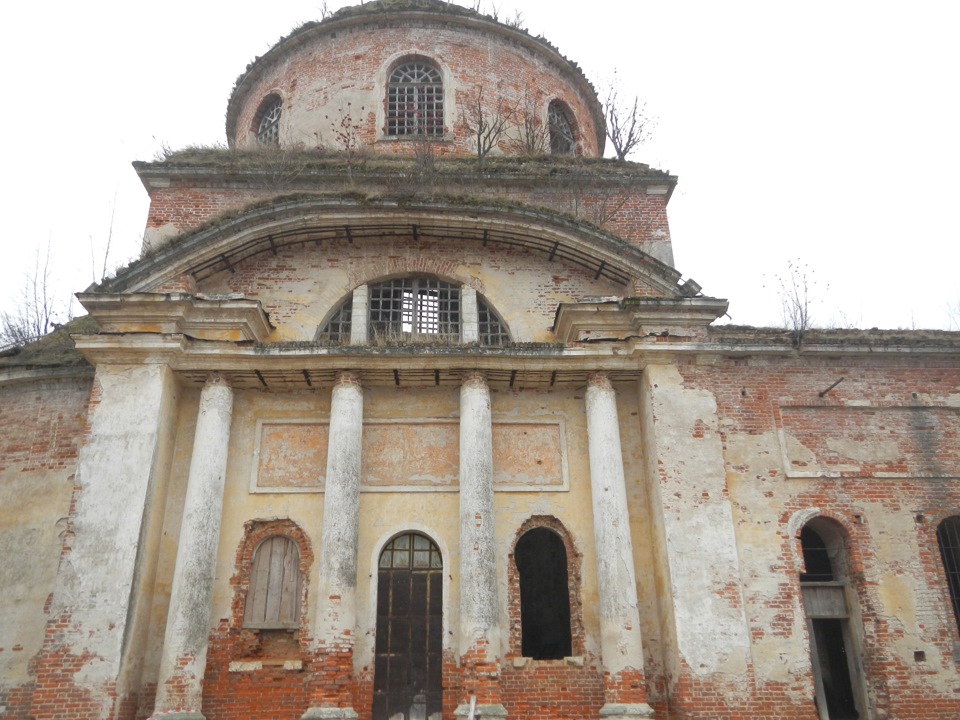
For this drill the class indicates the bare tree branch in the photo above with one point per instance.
(487, 123)
(626, 122)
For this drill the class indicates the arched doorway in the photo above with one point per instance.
(407, 680)
(544, 595)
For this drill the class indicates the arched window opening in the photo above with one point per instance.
(406, 307)
(562, 137)
(826, 600)
(415, 309)
(816, 557)
(408, 666)
(544, 595)
(267, 121)
(336, 331)
(273, 598)
(948, 538)
(491, 328)
(415, 100)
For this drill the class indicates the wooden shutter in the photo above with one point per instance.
(273, 598)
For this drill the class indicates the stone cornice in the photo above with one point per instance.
(198, 317)
(620, 319)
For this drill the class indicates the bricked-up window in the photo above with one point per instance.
(267, 121)
(273, 598)
(336, 331)
(415, 100)
(544, 595)
(406, 307)
(948, 538)
(562, 137)
(408, 657)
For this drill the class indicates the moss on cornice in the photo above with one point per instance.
(55, 349)
(297, 162)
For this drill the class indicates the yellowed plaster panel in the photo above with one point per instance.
(422, 454)
(291, 455)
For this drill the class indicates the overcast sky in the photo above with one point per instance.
(824, 133)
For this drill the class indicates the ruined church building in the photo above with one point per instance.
(381, 427)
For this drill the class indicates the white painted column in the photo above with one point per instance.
(360, 316)
(336, 597)
(479, 609)
(184, 657)
(621, 650)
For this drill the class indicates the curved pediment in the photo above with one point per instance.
(223, 244)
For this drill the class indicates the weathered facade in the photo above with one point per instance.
(381, 425)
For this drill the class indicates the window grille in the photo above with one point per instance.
(268, 131)
(492, 331)
(406, 307)
(415, 100)
(948, 538)
(561, 130)
(273, 598)
(336, 331)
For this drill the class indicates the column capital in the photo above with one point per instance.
(347, 378)
(218, 378)
(473, 378)
(599, 380)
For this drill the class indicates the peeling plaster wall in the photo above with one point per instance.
(105, 569)
(384, 514)
(697, 535)
(790, 455)
(41, 426)
(300, 287)
(342, 75)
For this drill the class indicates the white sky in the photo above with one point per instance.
(821, 132)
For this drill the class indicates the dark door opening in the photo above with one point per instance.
(831, 649)
(544, 595)
(407, 678)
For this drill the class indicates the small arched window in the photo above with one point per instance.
(415, 100)
(267, 121)
(544, 595)
(416, 309)
(948, 538)
(562, 136)
(273, 598)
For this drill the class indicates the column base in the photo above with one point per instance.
(177, 715)
(329, 713)
(625, 711)
(481, 711)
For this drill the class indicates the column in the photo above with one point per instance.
(336, 616)
(479, 609)
(184, 657)
(621, 651)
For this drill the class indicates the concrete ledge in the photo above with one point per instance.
(612, 711)
(481, 711)
(326, 713)
(254, 665)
